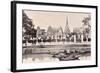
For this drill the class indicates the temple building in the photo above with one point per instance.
(54, 33)
(58, 33)
(41, 33)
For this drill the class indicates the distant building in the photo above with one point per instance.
(78, 34)
(54, 33)
(41, 34)
(82, 34)
(50, 32)
(58, 33)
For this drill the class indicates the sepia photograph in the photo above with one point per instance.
(48, 36)
(55, 36)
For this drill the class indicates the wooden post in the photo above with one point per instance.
(81, 37)
(75, 38)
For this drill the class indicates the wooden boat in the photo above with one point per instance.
(66, 57)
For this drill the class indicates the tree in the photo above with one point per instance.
(28, 28)
(86, 25)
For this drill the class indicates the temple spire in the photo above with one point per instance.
(67, 27)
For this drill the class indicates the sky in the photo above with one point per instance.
(43, 19)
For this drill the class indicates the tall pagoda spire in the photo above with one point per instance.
(67, 27)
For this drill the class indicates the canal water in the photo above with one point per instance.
(47, 58)
(42, 55)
